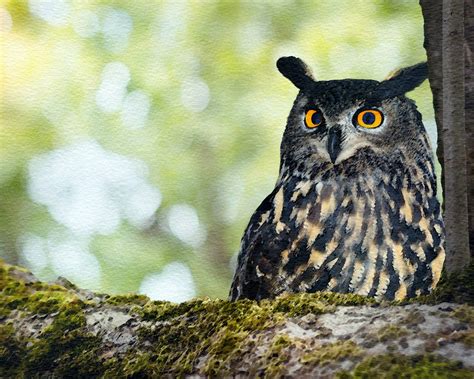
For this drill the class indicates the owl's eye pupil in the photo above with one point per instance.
(316, 118)
(368, 118)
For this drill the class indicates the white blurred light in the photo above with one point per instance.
(73, 261)
(113, 87)
(117, 26)
(170, 22)
(54, 12)
(174, 283)
(6, 21)
(86, 23)
(252, 36)
(69, 258)
(89, 189)
(135, 109)
(33, 253)
(195, 94)
(141, 206)
(183, 222)
(232, 188)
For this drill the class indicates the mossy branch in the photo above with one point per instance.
(58, 330)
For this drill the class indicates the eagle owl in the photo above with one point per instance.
(354, 209)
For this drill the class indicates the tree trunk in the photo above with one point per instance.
(469, 110)
(444, 43)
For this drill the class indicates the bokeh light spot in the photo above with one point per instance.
(89, 189)
(6, 22)
(195, 95)
(54, 12)
(174, 283)
(135, 109)
(86, 23)
(33, 252)
(116, 26)
(183, 222)
(72, 260)
(113, 87)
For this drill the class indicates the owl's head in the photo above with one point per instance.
(332, 121)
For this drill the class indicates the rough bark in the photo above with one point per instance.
(445, 44)
(58, 330)
(433, 21)
(469, 110)
(454, 135)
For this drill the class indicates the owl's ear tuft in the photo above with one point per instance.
(402, 81)
(296, 71)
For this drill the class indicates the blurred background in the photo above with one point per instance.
(137, 138)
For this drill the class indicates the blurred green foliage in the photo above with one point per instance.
(200, 105)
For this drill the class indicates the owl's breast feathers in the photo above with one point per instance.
(374, 234)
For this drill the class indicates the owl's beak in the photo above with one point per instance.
(334, 143)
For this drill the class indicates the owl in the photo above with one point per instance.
(354, 209)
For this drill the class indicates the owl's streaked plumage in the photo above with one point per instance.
(354, 209)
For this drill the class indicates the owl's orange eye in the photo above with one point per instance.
(313, 118)
(369, 118)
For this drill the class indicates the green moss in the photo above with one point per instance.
(466, 337)
(136, 365)
(395, 366)
(315, 303)
(217, 334)
(464, 313)
(391, 332)
(214, 327)
(332, 352)
(456, 288)
(11, 351)
(388, 335)
(34, 297)
(165, 310)
(128, 299)
(277, 356)
(221, 329)
(10, 269)
(65, 348)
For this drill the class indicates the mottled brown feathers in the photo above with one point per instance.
(366, 222)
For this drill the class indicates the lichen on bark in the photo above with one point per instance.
(56, 329)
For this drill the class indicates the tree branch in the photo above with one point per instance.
(58, 330)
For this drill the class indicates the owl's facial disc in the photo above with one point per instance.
(349, 144)
(365, 118)
(354, 129)
(336, 120)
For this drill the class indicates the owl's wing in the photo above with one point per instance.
(260, 252)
